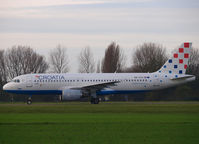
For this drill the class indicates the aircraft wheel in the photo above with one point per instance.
(97, 101)
(29, 101)
(94, 100)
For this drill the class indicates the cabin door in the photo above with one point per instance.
(29, 81)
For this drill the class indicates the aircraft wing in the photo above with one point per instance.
(97, 86)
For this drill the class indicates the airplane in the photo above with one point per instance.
(75, 86)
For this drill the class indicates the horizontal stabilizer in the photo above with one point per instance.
(183, 78)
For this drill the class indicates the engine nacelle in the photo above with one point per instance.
(69, 94)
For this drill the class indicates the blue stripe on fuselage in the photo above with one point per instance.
(35, 92)
(108, 92)
(59, 92)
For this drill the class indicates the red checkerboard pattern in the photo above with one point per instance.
(175, 55)
(186, 55)
(186, 45)
(180, 61)
(181, 50)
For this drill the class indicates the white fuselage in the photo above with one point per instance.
(126, 82)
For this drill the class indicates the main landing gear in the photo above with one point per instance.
(94, 100)
(29, 100)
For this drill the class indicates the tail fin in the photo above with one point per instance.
(177, 63)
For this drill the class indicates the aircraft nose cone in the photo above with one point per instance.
(5, 87)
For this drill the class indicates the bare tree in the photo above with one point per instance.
(86, 61)
(23, 60)
(3, 73)
(33, 62)
(149, 57)
(193, 63)
(113, 60)
(98, 67)
(59, 60)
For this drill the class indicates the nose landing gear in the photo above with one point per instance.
(29, 100)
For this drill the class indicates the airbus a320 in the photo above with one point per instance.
(75, 86)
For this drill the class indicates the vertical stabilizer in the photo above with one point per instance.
(177, 63)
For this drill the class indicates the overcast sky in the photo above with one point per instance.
(76, 24)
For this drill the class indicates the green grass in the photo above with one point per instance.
(107, 123)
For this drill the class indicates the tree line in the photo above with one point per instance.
(148, 57)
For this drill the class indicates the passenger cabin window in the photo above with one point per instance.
(16, 80)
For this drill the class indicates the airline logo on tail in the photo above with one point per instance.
(177, 64)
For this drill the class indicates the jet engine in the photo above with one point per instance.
(69, 94)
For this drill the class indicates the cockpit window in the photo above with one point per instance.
(16, 80)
